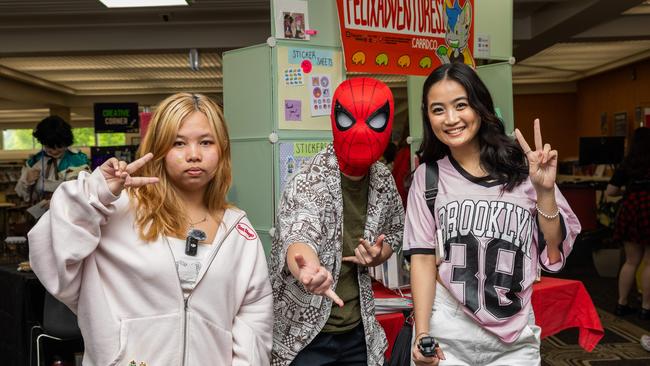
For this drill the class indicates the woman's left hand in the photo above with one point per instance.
(542, 162)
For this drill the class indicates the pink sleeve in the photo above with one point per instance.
(68, 233)
(419, 226)
(252, 328)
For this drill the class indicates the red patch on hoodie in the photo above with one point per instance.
(246, 231)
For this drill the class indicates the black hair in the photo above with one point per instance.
(637, 161)
(53, 132)
(390, 152)
(500, 156)
(404, 135)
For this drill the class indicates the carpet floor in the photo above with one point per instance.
(619, 346)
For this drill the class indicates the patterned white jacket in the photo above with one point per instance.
(310, 212)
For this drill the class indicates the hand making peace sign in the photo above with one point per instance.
(542, 162)
(118, 174)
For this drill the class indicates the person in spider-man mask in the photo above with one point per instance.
(339, 214)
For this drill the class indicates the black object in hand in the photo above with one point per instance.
(427, 346)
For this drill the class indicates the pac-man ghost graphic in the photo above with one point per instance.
(425, 62)
(381, 59)
(404, 61)
(359, 58)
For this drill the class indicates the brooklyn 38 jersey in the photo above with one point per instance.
(489, 243)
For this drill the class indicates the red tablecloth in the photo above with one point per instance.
(393, 322)
(558, 304)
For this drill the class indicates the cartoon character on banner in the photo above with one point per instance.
(458, 22)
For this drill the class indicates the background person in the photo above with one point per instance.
(402, 165)
(55, 163)
(632, 225)
(389, 155)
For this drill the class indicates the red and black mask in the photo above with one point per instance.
(362, 121)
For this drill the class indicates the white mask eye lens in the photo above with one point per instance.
(378, 121)
(343, 120)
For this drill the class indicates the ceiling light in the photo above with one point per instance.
(142, 3)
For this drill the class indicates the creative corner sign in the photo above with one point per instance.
(116, 117)
(409, 37)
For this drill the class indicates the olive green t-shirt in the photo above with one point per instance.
(355, 205)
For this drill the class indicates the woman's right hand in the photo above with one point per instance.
(420, 360)
(118, 174)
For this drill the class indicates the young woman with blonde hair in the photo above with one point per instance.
(158, 267)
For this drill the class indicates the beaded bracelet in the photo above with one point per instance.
(547, 216)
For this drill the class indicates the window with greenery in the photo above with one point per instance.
(111, 139)
(86, 137)
(19, 139)
(22, 139)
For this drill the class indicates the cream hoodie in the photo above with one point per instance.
(126, 292)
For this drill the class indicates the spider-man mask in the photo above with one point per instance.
(362, 120)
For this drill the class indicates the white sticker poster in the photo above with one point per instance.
(320, 89)
(482, 46)
(304, 98)
(294, 154)
(293, 76)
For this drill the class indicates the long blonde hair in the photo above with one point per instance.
(158, 207)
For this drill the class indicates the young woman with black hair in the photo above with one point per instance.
(632, 226)
(498, 216)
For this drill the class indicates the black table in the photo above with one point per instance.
(21, 307)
